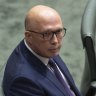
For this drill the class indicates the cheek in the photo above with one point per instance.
(42, 50)
(42, 46)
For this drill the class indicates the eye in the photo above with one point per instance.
(58, 31)
(46, 34)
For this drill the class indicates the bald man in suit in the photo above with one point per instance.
(27, 72)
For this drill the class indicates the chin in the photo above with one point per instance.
(55, 54)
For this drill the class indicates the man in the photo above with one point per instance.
(27, 72)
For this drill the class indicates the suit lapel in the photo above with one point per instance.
(54, 80)
(67, 74)
(64, 69)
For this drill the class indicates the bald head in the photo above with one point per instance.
(40, 15)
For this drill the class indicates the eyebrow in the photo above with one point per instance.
(48, 30)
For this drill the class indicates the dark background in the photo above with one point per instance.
(12, 14)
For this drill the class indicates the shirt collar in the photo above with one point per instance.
(43, 59)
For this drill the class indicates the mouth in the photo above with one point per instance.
(54, 50)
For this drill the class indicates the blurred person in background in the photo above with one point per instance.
(35, 68)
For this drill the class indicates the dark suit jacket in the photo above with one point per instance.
(26, 75)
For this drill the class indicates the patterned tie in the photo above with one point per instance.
(57, 73)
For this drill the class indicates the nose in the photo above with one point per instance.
(54, 39)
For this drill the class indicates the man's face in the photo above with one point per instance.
(46, 48)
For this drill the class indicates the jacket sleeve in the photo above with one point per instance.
(24, 87)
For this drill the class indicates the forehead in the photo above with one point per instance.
(49, 21)
(44, 17)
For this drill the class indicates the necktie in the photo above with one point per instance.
(57, 73)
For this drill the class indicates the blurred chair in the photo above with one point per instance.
(88, 28)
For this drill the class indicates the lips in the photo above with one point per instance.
(54, 49)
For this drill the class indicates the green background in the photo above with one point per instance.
(12, 14)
